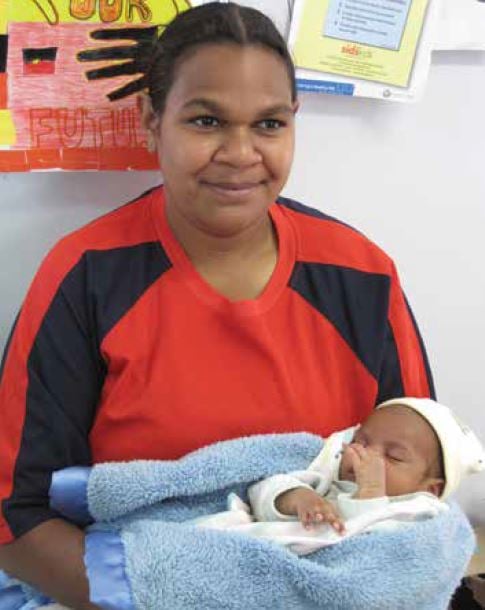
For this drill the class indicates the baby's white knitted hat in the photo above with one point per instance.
(463, 453)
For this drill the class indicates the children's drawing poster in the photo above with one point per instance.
(69, 74)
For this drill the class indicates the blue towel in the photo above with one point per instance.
(141, 553)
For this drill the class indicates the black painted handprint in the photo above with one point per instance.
(137, 50)
(136, 55)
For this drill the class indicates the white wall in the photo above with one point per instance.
(411, 177)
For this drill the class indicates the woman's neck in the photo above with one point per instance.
(238, 265)
(203, 246)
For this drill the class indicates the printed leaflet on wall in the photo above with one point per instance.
(371, 48)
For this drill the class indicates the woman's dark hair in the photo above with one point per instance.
(211, 23)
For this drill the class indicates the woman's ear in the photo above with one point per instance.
(149, 119)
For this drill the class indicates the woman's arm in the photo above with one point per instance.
(50, 381)
(50, 558)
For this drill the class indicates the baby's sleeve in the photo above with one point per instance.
(263, 495)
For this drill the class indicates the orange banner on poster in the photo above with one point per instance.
(69, 74)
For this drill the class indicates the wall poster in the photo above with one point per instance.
(370, 48)
(69, 71)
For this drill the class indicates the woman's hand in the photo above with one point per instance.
(310, 508)
(50, 558)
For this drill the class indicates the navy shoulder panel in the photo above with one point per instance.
(296, 206)
(390, 376)
(427, 368)
(355, 302)
(118, 277)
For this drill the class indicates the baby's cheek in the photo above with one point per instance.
(399, 481)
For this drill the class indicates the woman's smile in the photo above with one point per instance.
(231, 191)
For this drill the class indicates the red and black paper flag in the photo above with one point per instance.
(3, 67)
(40, 61)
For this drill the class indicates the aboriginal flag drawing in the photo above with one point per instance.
(69, 72)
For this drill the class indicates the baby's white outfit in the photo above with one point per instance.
(265, 521)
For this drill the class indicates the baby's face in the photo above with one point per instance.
(408, 445)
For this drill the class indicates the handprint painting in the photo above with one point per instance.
(69, 72)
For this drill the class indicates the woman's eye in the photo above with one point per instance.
(205, 121)
(271, 124)
(394, 458)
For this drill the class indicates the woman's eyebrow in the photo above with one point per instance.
(277, 109)
(208, 104)
(213, 106)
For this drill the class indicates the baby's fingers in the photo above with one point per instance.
(334, 521)
(358, 450)
(309, 518)
(353, 452)
(318, 516)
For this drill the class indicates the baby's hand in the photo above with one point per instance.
(310, 508)
(369, 470)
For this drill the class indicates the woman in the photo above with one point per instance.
(201, 311)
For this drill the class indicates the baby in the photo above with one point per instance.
(407, 449)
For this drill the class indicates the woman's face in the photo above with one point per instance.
(226, 137)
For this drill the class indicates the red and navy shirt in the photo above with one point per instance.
(122, 351)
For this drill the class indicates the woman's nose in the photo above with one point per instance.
(238, 148)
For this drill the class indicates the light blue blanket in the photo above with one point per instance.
(142, 554)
